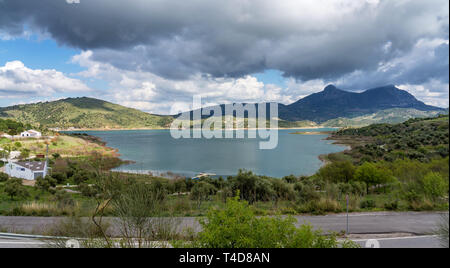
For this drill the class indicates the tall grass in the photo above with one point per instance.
(44, 209)
(442, 230)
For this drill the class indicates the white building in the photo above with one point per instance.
(31, 133)
(26, 170)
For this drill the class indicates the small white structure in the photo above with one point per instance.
(31, 134)
(26, 170)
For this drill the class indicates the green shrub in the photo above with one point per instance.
(368, 203)
(201, 191)
(3, 177)
(434, 185)
(306, 192)
(236, 226)
(14, 188)
(391, 205)
(338, 172)
(373, 175)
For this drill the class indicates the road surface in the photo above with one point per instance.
(8, 242)
(396, 242)
(417, 223)
(403, 242)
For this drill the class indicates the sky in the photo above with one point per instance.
(155, 55)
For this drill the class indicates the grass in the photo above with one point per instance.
(64, 145)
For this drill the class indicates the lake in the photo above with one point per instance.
(157, 152)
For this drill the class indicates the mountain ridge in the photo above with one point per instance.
(334, 103)
(330, 105)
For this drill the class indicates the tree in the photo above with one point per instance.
(87, 190)
(251, 187)
(14, 188)
(3, 177)
(434, 185)
(342, 171)
(202, 191)
(180, 186)
(82, 176)
(372, 175)
(45, 183)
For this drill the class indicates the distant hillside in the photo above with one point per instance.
(333, 103)
(339, 105)
(390, 116)
(331, 107)
(83, 113)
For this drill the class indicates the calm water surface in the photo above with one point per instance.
(156, 151)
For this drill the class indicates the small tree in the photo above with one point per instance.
(343, 171)
(371, 175)
(45, 183)
(434, 185)
(202, 191)
(3, 177)
(14, 188)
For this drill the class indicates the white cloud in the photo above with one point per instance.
(18, 80)
(152, 93)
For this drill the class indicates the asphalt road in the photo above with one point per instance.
(402, 242)
(8, 242)
(416, 223)
(396, 242)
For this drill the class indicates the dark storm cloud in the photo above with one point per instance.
(176, 39)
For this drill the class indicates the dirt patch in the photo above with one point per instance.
(28, 183)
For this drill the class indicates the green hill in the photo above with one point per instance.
(390, 116)
(86, 113)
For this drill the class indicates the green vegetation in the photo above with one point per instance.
(403, 167)
(418, 139)
(390, 116)
(236, 226)
(12, 127)
(82, 113)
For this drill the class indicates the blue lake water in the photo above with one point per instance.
(157, 152)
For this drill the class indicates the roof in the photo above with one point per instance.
(33, 166)
(32, 131)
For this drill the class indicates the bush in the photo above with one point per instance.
(306, 192)
(251, 187)
(3, 177)
(45, 183)
(14, 188)
(60, 177)
(373, 175)
(236, 226)
(202, 191)
(368, 204)
(338, 172)
(434, 185)
(283, 190)
(391, 205)
(87, 190)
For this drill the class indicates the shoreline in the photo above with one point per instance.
(172, 175)
(124, 129)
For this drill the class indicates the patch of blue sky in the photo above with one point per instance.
(38, 53)
(271, 77)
